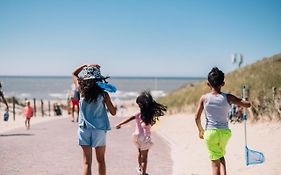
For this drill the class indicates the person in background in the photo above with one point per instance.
(68, 102)
(27, 113)
(3, 98)
(74, 99)
(93, 119)
(145, 119)
(216, 105)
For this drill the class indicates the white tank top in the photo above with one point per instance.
(216, 109)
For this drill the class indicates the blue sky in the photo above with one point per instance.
(135, 37)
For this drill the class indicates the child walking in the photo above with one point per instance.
(93, 119)
(216, 105)
(27, 113)
(149, 113)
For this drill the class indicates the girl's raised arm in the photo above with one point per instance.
(118, 126)
(75, 74)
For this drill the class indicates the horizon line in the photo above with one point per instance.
(119, 77)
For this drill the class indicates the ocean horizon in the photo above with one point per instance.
(57, 87)
(117, 77)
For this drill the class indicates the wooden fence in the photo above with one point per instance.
(43, 108)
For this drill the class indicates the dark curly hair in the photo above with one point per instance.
(89, 89)
(150, 109)
(216, 77)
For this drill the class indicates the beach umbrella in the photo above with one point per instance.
(252, 156)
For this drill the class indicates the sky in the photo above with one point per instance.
(183, 38)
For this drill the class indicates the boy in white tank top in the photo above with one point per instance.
(216, 105)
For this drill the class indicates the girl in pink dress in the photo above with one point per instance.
(145, 119)
(27, 113)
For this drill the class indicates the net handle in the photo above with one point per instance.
(245, 95)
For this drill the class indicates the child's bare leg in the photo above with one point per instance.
(25, 122)
(100, 151)
(72, 112)
(77, 119)
(144, 155)
(222, 166)
(87, 160)
(139, 158)
(216, 167)
(28, 123)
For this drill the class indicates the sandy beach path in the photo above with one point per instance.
(190, 155)
(50, 148)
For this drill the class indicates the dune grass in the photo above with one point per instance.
(260, 77)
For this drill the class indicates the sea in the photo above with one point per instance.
(57, 87)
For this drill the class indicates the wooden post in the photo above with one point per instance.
(34, 106)
(14, 108)
(42, 108)
(49, 104)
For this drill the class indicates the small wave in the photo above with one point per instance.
(124, 95)
(18, 95)
(132, 94)
(57, 95)
(157, 94)
(24, 95)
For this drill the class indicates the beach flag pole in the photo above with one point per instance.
(252, 157)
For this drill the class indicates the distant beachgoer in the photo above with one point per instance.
(231, 113)
(3, 98)
(27, 113)
(75, 97)
(68, 103)
(239, 113)
(57, 109)
(216, 105)
(149, 113)
(93, 118)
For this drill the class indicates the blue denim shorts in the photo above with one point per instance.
(91, 137)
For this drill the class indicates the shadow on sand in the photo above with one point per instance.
(8, 135)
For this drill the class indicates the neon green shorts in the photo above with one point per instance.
(216, 140)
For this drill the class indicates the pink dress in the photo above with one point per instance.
(28, 112)
(141, 136)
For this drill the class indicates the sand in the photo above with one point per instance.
(190, 155)
(11, 124)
